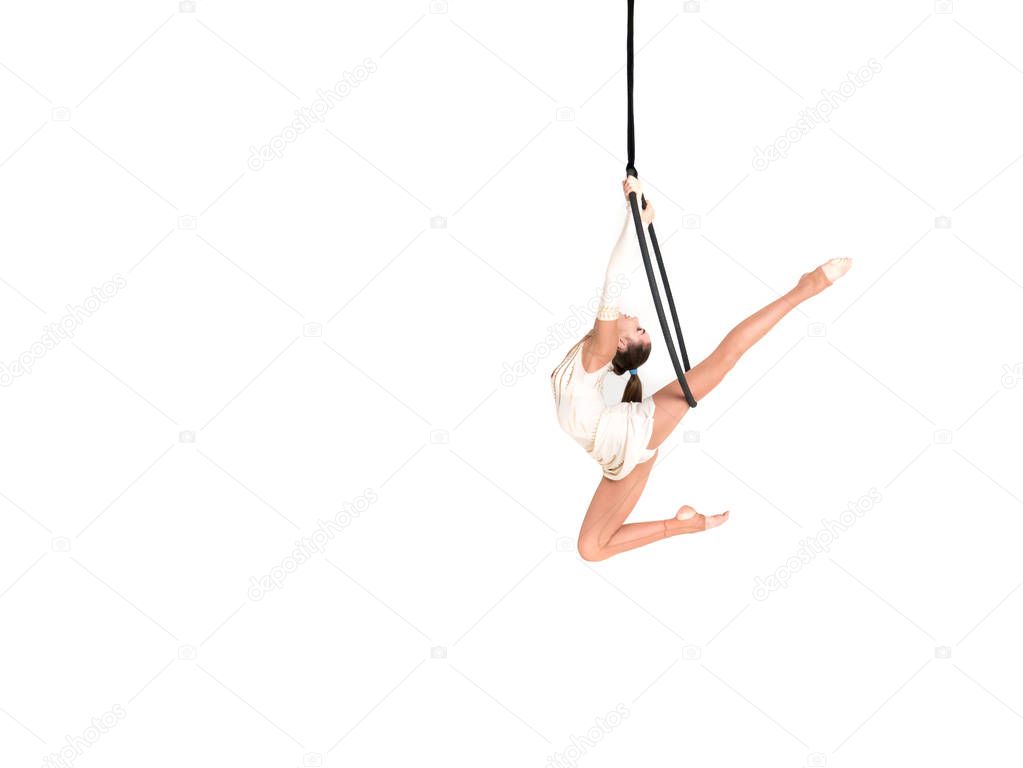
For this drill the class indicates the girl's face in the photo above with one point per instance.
(630, 332)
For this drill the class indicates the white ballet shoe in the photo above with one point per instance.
(835, 268)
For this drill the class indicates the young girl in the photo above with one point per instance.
(624, 438)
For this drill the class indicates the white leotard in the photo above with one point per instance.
(615, 436)
(579, 397)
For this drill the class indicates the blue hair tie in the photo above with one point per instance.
(633, 372)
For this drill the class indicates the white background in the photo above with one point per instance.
(127, 552)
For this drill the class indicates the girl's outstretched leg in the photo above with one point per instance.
(670, 404)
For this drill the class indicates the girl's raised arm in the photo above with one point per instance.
(603, 344)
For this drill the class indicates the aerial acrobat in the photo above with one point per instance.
(623, 438)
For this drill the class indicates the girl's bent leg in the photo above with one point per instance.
(604, 531)
(612, 502)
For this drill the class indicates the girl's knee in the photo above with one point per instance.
(726, 361)
(590, 550)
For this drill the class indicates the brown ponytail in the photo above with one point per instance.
(633, 390)
(627, 361)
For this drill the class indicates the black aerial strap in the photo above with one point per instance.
(630, 169)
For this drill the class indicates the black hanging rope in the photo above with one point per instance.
(630, 169)
(630, 64)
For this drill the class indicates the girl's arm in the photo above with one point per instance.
(603, 343)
